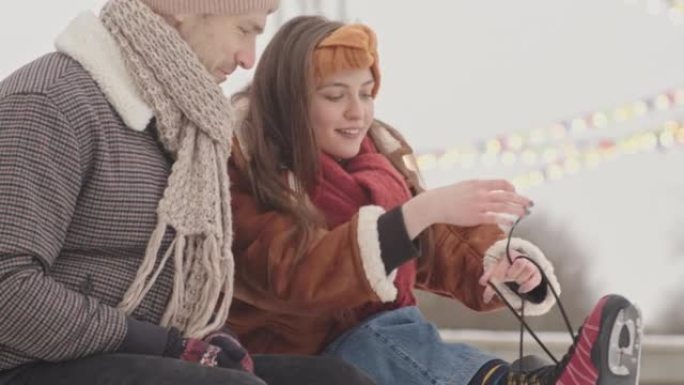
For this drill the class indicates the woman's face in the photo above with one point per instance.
(341, 112)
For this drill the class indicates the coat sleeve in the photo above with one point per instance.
(40, 179)
(339, 268)
(460, 256)
(454, 264)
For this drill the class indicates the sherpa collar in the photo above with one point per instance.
(87, 41)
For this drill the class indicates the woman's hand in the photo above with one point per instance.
(523, 272)
(468, 203)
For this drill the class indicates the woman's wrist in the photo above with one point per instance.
(417, 215)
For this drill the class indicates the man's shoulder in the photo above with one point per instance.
(45, 74)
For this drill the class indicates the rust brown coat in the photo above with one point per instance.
(283, 306)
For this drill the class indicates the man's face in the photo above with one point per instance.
(222, 42)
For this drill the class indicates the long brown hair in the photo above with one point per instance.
(279, 136)
(278, 133)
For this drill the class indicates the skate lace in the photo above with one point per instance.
(553, 371)
(547, 374)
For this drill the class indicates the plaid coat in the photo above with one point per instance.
(80, 178)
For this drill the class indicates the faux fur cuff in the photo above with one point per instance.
(498, 251)
(371, 255)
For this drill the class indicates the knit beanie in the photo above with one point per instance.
(353, 46)
(232, 7)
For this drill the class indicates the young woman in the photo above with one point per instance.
(333, 232)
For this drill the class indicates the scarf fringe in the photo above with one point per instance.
(141, 285)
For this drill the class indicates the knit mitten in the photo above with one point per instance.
(208, 353)
(228, 342)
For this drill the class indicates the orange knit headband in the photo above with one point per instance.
(353, 46)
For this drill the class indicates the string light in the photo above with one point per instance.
(519, 146)
(665, 138)
(674, 9)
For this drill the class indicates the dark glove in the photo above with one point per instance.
(208, 353)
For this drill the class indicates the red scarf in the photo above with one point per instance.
(366, 179)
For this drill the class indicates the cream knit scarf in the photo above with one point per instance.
(195, 125)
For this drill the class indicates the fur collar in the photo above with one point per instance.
(87, 41)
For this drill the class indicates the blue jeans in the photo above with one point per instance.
(400, 347)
